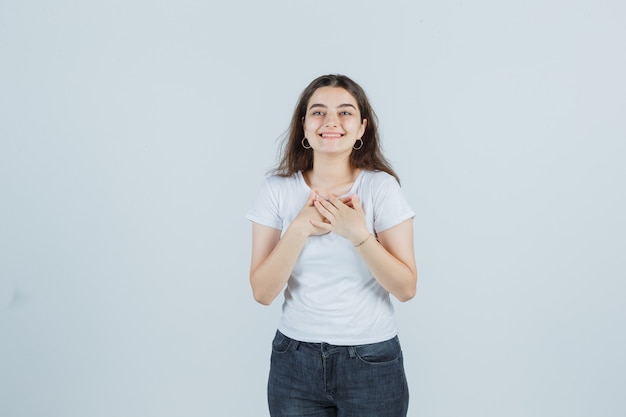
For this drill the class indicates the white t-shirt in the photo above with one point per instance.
(331, 295)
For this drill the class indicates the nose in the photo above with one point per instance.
(331, 119)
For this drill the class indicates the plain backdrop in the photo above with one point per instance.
(134, 135)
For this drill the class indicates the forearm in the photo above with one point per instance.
(271, 275)
(392, 274)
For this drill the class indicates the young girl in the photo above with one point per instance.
(332, 228)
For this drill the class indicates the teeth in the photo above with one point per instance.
(331, 135)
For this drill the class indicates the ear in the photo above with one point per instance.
(362, 128)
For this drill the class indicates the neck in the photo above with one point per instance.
(329, 173)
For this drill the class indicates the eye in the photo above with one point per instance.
(317, 113)
(345, 113)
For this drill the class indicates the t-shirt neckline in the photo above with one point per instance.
(350, 192)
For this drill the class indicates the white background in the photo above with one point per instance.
(134, 135)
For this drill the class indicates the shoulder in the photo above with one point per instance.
(279, 185)
(377, 179)
(280, 182)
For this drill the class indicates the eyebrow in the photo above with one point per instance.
(324, 107)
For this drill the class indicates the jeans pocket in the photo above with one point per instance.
(281, 343)
(380, 353)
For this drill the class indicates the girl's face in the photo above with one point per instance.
(333, 123)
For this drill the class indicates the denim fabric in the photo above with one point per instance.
(318, 379)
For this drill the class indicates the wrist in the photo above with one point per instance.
(362, 241)
(298, 231)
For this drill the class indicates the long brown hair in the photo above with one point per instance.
(294, 157)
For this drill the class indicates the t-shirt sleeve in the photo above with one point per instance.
(390, 205)
(264, 208)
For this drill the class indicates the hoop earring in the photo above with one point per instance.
(307, 141)
(360, 146)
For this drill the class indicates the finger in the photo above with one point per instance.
(311, 199)
(322, 225)
(347, 201)
(324, 208)
(356, 203)
(320, 197)
(336, 201)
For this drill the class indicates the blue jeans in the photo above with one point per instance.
(318, 379)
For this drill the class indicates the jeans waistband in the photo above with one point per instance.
(323, 347)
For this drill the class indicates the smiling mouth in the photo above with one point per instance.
(331, 135)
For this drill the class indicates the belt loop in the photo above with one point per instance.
(295, 344)
(352, 351)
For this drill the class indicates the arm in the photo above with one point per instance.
(273, 257)
(391, 259)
